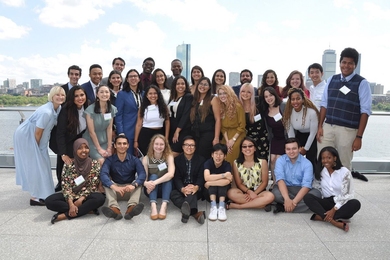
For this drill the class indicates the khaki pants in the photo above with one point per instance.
(131, 197)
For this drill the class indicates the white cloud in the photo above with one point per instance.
(293, 24)
(190, 14)
(10, 30)
(263, 27)
(376, 11)
(14, 3)
(342, 3)
(73, 13)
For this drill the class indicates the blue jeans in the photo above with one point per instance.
(163, 189)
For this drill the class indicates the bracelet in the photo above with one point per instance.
(135, 141)
(359, 136)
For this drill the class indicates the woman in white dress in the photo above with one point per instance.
(31, 140)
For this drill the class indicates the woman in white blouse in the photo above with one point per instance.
(337, 204)
(300, 118)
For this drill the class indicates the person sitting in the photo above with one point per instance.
(337, 202)
(188, 181)
(80, 182)
(251, 177)
(294, 177)
(160, 168)
(122, 176)
(218, 176)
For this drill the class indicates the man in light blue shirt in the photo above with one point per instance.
(294, 177)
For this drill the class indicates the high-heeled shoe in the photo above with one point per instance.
(54, 218)
(161, 216)
(37, 203)
(154, 217)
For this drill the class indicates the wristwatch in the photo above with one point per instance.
(234, 139)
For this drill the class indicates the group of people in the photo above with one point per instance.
(204, 140)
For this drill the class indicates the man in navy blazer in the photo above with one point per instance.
(74, 74)
(176, 68)
(95, 75)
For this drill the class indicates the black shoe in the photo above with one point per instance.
(96, 212)
(278, 208)
(112, 212)
(185, 212)
(58, 187)
(54, 218)
(359, 176)
(134, 210)
(41, 202)
(268, 208)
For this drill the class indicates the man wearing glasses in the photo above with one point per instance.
(188, 182)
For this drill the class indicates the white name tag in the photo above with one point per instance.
(79, 180)
(257, 117)
(172, 103)
(152, 107)
(162, 166)
(107, 116)
(345, 90)
(277, 117)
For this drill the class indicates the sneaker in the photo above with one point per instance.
(213, 213)
(222, 214)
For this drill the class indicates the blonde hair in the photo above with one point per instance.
(54, 91)
(228, 108)
(253, 109)
(167, 149)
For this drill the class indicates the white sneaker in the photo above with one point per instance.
(213, 213)
(222, 214)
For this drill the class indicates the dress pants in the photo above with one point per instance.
(178, 198)
(56, 202)
(321, 205)
(131, 197)
(292, 192)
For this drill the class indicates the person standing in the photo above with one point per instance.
(95, 75)
(345, 108)
(176, 68)
(146, 75)
(74, 74)
(118, 64)
(31, 140)
(316, 72)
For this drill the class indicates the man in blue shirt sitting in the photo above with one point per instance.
(122, 175)
(294, 177)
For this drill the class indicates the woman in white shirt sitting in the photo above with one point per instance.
(337, 204)
(152, 119)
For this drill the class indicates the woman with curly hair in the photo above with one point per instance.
(205, 118)
(270, 79)
(152, 119)
(295, 80)
(300, 118)
(160, 169)
(232, 123)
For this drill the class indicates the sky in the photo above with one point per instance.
(42, 38)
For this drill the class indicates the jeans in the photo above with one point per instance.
(163, 190)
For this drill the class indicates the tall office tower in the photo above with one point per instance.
(259, 79)
(25, 85)
(357, 69)
(376, 88)
(329, 63)
(36, 83)
(234, 79)
(9, 83)
(183, 53)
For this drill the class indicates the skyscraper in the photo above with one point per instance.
(36, 83)
(234, 79)
(357, 69)
(183, 53)
(329, 63)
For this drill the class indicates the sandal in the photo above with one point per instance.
(345, 226)
(227, 204)
(54, 218)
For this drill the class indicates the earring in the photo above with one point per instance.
(334, 164)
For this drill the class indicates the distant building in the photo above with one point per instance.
(234, 79)
(357, 69)
(376, 88)
(259, 79)
(36, 83)
(26, 85)
(9, 83)
(329, 63)
(183, 53)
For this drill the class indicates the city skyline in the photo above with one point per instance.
(43, 38)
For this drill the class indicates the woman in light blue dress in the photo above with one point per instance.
(31, 140)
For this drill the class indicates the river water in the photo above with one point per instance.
(376, 142)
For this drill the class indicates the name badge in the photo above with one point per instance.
(257, 117)
(277, 117)
(162, 166)
(79, 180)
(173, 103)
(107, 116)
(345, 90)
(152, 107)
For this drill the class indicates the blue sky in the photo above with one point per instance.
(42, 38)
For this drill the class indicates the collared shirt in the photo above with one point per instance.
(299, 173)
(116, 171)
(316, 93)
(364, 94)
(94, 87)
(337, 184)
(69, 86)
